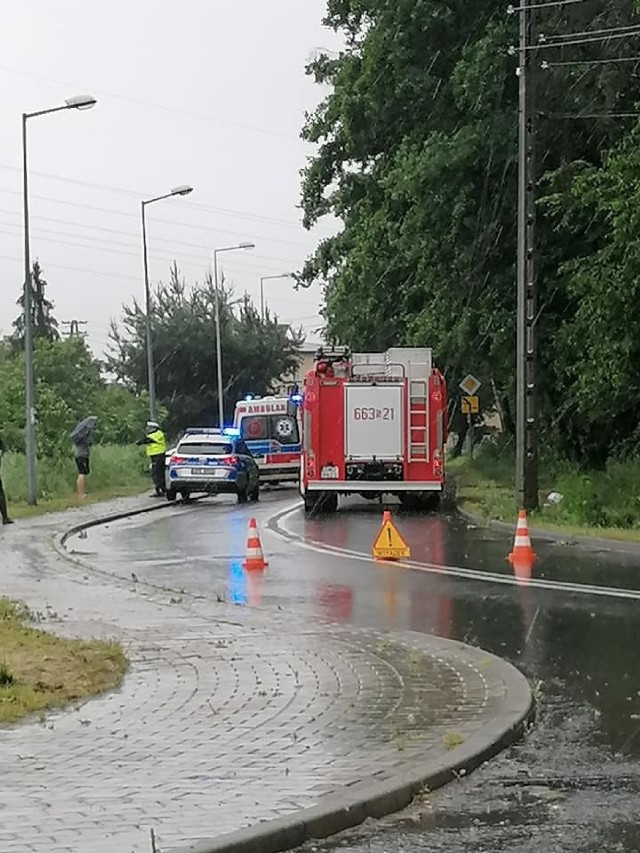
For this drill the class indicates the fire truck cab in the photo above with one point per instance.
(373, 424)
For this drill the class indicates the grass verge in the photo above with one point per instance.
(39, 670)
(604, 503)
(115, 472)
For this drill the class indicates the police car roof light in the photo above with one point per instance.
(232, 431)
(202, 431)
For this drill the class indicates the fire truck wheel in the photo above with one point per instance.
(328, 502)
(420, 502)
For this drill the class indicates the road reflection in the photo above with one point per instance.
(586, 645)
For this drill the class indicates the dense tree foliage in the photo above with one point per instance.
(416, 156)
(69, 387)
(255, 353)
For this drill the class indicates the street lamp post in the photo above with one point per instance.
(269, 278)
(184, 189)
(216, 252)
(78, 102)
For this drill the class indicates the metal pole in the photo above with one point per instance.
(526, 450)
(30, 415)
(218, 342)
(151, 375)
(262, 299)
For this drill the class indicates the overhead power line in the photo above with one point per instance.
(164, 107)
(547, 45)
(138, 195)
(207, 250)
(544, 65)
(136, 216)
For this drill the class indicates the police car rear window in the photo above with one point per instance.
(205, 448)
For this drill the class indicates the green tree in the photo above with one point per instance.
(598, 341)
(255, 353)
(45, 325)
(416, 157)
(69, 387)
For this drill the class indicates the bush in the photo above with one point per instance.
(111, 467)
(68, 388)
(581, 503)
(609, 498)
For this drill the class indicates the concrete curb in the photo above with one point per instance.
(106, 519)
(371, 798)
(116, 516)
(375, 799)
(588, 543)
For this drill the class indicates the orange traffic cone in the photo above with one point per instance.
(522, 554)
(254, 556)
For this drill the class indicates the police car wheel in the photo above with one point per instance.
(254, 494)
(243, 496)
(171, 495)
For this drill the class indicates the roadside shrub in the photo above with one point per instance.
(581, 503)
(111, 467)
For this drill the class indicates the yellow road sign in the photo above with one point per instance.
(470, 384)
(389, 545)
(470, 405)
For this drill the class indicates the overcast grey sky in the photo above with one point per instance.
(203, 92)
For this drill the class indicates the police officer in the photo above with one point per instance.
(156, 446)
(3, 499)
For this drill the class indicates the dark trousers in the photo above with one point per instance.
(3, 503)
(157, 472)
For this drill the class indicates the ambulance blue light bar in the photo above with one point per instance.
(296, 398)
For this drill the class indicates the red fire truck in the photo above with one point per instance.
(373, 424)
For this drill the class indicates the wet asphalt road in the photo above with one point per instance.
(573, 784)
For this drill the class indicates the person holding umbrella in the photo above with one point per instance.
(81, 439)
(3, 499)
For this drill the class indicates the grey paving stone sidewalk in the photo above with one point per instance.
(221, 722)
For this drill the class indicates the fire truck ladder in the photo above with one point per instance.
(417, 365)
(418, 392)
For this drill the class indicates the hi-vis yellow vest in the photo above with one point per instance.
(158, 443)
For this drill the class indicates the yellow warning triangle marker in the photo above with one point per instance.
(389, 545)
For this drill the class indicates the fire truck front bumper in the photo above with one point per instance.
(386, 486)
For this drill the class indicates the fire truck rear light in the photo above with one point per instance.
(329, 472)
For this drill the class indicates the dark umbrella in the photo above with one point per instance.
(83, 428)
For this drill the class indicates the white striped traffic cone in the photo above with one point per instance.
(254, 556)
(522, 553)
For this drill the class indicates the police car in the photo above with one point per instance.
(212, 461)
